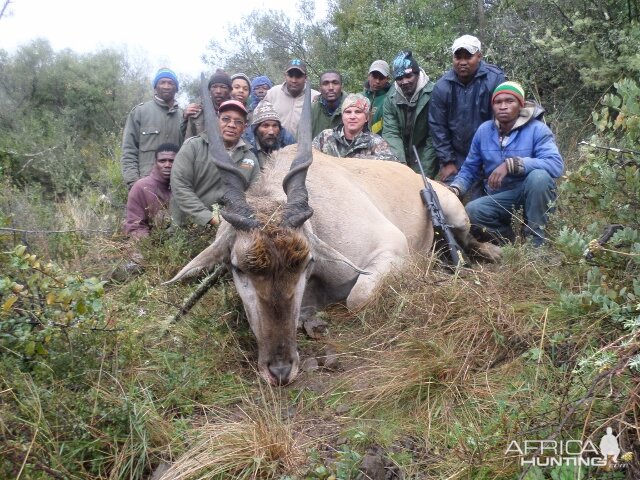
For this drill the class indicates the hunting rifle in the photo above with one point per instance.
(443, 233)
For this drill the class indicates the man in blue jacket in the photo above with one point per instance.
(460, 102)
(518, 159)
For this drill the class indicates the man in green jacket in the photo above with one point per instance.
(326, 110)
(375, 89)
(406, 114)
(149, 125)
(196, 184)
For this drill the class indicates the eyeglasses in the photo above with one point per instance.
(228, 120)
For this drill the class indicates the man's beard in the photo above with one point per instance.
(268, 144)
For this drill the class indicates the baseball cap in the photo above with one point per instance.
(233, 105)
(467, 42)
(297, 64)
(380, 66)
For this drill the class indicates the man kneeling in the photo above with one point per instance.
(518, 159)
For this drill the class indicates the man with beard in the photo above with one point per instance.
(460, 103)
(148, 199)
(149, 125)
(405, 115)
(268, 134)
(287, 98)
(195, 180)
(220, 90)
(325, 111)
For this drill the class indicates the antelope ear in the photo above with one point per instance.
(323, 252)
(215, 254)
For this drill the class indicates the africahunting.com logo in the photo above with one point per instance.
(551, 453)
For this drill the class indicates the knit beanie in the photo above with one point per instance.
(512, 88)
(403, 64)
(220, 77)
(165, 73)
(263, 112)
(356, 100)
(242, 76)
(261, 80)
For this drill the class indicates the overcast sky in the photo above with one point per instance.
(165, 33)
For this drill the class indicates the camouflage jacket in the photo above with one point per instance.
(365, 145)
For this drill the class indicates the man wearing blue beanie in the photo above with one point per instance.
(149, 125)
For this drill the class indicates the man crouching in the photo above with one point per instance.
(518, 159)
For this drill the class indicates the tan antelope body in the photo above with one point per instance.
(366, 218)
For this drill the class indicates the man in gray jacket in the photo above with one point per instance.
(196, 184)
(149, 125)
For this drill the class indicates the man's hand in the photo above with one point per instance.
(192, 110)
(455, 191)
(448, 170)
(215, 221)
(496, 177)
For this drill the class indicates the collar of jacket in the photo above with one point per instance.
(164, 104)
(423, 79)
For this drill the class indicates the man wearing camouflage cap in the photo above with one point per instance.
(352, 137)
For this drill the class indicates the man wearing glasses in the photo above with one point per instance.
(196, 183)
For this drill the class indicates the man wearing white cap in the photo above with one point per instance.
(460, 103)
(375, 89)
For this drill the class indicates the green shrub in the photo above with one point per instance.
(40, 302)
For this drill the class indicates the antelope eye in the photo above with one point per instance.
(237, 270)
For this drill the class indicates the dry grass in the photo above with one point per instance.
(434, 331)
(255, 440)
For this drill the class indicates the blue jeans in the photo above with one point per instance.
(535, 195)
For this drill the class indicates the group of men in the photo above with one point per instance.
(471, 129)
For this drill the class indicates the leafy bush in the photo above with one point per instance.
(605, 187)
(40, 302)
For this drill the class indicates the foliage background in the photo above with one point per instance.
(431, 379)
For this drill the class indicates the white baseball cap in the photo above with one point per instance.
(467, 42)
(380, 66)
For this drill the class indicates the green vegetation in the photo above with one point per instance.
(433, 379)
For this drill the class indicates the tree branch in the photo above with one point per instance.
(4, 8)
